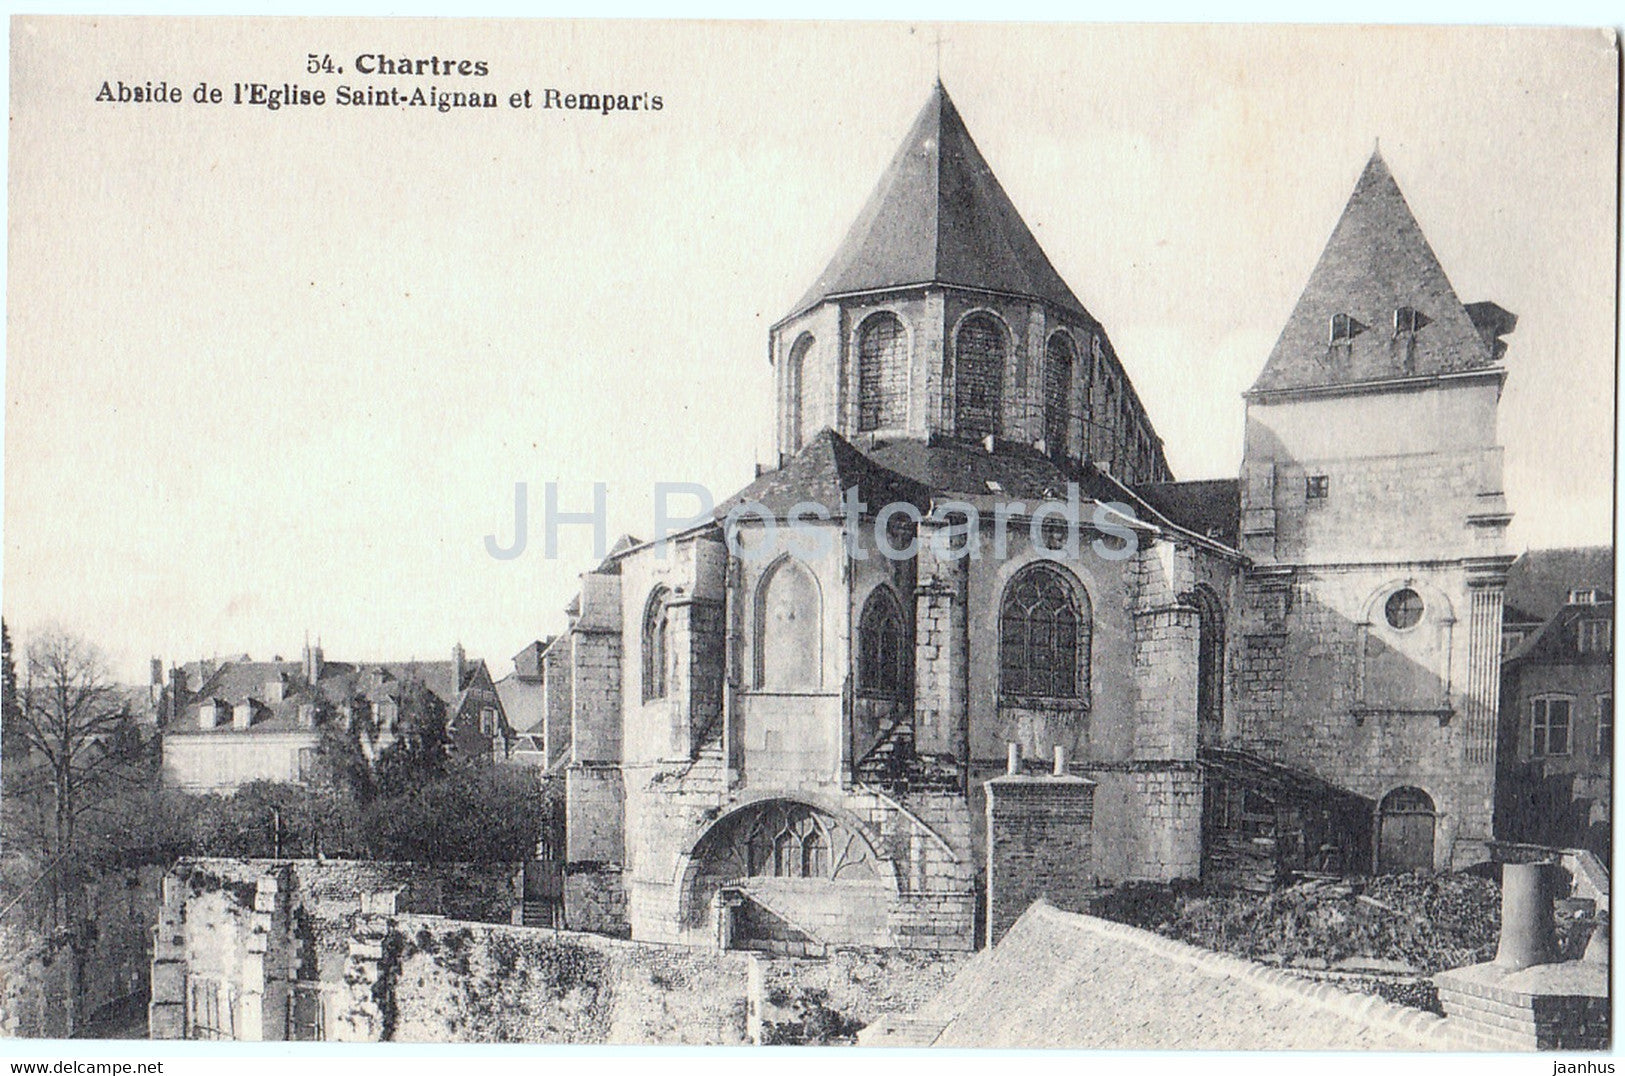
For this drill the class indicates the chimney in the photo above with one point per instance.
(313, 661)
(1012, 763)
(458, 660)
(1060, 761)
(1528, 934)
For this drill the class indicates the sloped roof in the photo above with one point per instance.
(821, 473)
(340, 682)
(522, 701)
(527, 664)
(1075, 981)
(1539, 581)
(939, 216)
(1209, 507)
(1556, 642)
(1376, 261)
(950, 466)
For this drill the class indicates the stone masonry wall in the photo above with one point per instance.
(254, 928)
(1172, 803)
(426, 979)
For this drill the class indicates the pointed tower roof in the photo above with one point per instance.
(1376, 263)
(938, 216)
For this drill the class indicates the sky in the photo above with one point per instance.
(272, 373)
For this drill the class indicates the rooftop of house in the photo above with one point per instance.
(522, 702)
(1556, 641)
(1540, 581)
(337, 684)
(1071, 981)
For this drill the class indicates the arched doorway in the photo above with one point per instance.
(1405, 831)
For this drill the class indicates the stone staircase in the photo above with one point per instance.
(541, 913)
(888, 763)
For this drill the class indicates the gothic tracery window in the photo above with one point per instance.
(783, 839)
(656, 630)
(980, 347)
(1058, 368)
(884, 657)
(882, 373)
(1044, 635)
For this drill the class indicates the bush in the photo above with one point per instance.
(1431, 922)
(477, 813)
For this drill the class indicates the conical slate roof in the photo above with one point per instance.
(938, 216)
(1376, 262)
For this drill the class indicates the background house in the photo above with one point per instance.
(262, 720)
(1557, 700)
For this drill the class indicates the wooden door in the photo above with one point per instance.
(1405, 839)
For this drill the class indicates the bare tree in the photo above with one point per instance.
(80, 741)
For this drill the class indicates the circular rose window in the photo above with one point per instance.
(1404, 608)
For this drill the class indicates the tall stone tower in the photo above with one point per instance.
(940, 317)
(1373, 514)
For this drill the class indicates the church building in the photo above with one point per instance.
(970, 644)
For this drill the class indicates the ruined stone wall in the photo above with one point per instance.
(220, 954)
(36, 967)
(245, 931)
(435, 980)
(858, 985)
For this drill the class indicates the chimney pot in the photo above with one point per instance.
(1012, 764)
(1528, 933)
(1060, 761)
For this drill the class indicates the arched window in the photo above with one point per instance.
(979, 351)
(789, 649)
(882, 373)
(1044, 635)
(656, 630)
(884, 657)
(786, 840)
(795, 381)
(814, 855)
(1058, 363)
(1209, 667)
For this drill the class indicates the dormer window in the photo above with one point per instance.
(1596, 636)
(1408, 319)
(1315, 486)
(1345, 328)
(1583, 596)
